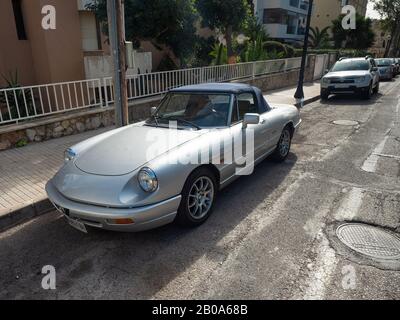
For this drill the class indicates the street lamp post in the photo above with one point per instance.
(299, 95)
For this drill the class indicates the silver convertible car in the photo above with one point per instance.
(170, 167)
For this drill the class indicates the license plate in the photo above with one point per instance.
(77, 225)
(342, 85)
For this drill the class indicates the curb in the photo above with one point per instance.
(308, 101)
(19, 216)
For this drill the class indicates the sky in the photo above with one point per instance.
(371, 13)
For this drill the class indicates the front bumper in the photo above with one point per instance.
(145, 218)
(343, 90)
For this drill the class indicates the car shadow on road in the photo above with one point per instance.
(346, 99)
(129, 265)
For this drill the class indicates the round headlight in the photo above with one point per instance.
(69, 155)
(148, 180)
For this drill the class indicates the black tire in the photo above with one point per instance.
(324, 96)
(185, 217)
(281, 153)
(367, 95)
(376, 90)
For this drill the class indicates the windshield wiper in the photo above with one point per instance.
(184, 121)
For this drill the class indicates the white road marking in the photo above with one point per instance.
(372, 161)
(327, 261)
(350, 207)
(322, 273)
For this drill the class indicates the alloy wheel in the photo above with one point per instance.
(201, 197)
(284, 143)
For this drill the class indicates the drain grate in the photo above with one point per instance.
(349, 123)
(369, 241)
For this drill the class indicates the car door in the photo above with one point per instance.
(248, 103)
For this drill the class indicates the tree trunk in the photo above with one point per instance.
(228, 38)
(394, 44)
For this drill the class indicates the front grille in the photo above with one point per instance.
(341, 80)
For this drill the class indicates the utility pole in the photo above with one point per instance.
(116, 26)
(299, 95)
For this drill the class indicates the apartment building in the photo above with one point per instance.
(75, 50)
(325, 11)
(284, 20)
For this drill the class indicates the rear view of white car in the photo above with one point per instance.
(356, 75)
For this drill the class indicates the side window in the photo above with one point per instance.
(246, 104)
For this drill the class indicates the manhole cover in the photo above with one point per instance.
(346, 123)
(369, 241)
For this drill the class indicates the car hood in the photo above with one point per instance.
(126, 150)
(341, 74)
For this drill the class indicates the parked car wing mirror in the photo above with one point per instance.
(153, 110)
(250, 118)
(375, 69)
(326, 71)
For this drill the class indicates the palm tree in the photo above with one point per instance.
(319, 38)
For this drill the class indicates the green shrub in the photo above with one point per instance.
(290, 51)
(21, 143)
(275, 46)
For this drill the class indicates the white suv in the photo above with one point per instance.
(355, 75)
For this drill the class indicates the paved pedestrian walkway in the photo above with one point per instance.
(25, 171)
(286, 96)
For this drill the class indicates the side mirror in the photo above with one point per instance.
(326, 71)
(250, 118)
(153, 110)
(375, 69)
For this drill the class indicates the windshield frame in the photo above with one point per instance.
(348, 62)
(151, 120)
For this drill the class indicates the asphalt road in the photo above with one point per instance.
(267, 239)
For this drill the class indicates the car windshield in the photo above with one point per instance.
(193, 110)
(383, 62)
(351, 65)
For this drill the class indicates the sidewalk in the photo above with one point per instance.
(24, 172)
(286, 96)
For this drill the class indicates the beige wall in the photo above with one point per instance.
(48, 55)
(326, 11)
(14, 54)
(57, 54)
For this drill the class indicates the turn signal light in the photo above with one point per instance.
(122, 221)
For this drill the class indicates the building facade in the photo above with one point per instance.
(75, 50)
(284, 20)
(325, 11)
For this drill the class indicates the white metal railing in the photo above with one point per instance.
(23, 103)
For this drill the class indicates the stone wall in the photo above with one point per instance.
(42, 129)
(54, 127)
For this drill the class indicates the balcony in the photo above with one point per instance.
(298, 6)
(283, 31)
